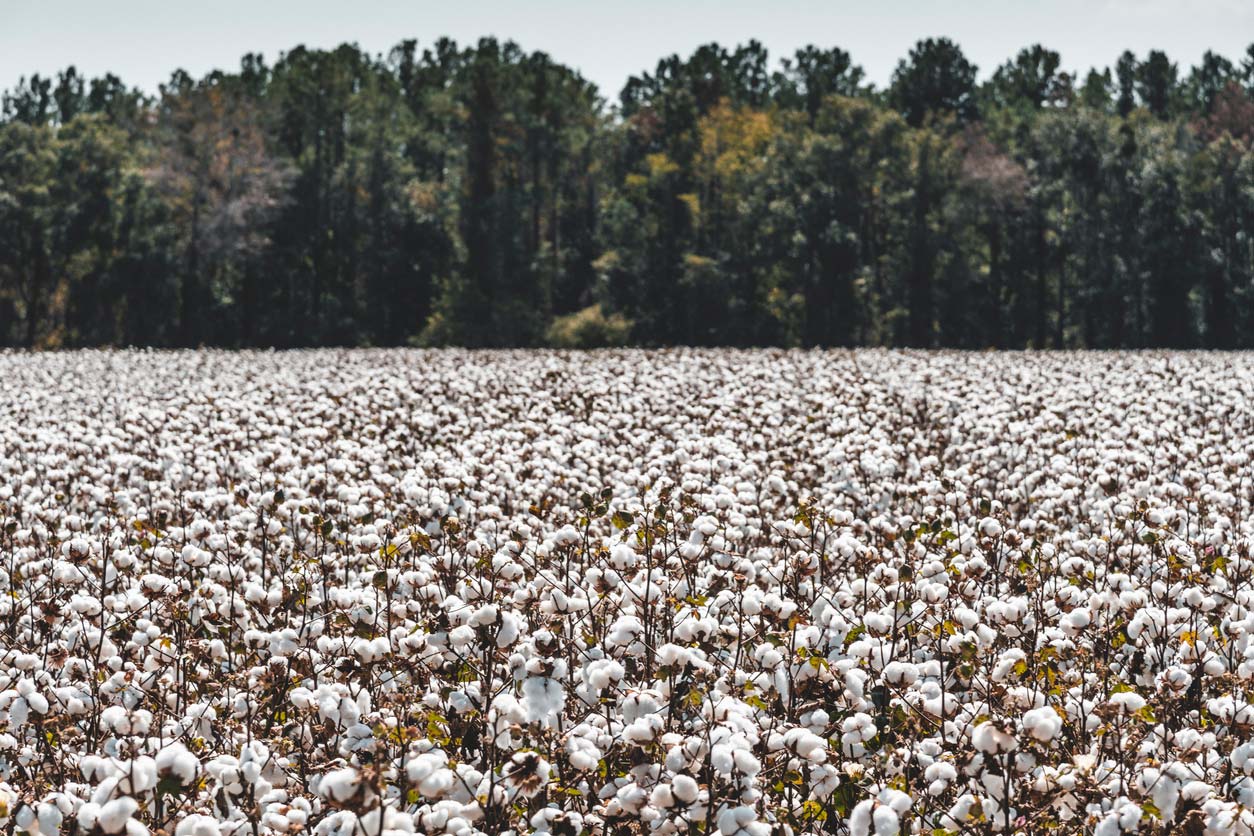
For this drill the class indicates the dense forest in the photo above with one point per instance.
(488, 196)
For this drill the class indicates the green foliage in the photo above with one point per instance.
(487, 196)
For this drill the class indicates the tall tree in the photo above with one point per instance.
(936, 78)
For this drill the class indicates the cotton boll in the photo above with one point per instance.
(114, 815)
(885, 822)
(860, 818)
(340, 785)
(175, 761)
(1043, 723)
(602, 673)
(197, 825)
(940, 775)
(741, 821)
(900, 674)
(543, 699)
(990, 527)
(989, 737)
(1127, 702)
(806, 744)
(623, 557)
(684, 788)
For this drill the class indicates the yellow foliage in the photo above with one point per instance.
(734, 141)
(693, 203)
(660, 165)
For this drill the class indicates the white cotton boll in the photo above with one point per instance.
(602, 673)
(461, 637)
(87, 817)
(990, 738)
(45, 820)
(990, 527)
(438, 784)
(685, 788)
(901, 674)
(741, 821)
(1195, 790)
(860, 818)
(339, 785)
(1242, 757)
(176, 761)
(640, 704)
(1078, 619)
(1127, 702)
(19, 711)
(198, 825)
(485, 615)
(857, 728)
(114, 815)
(672, 655)
(583, 753)
(567, 535)
(940, 775)
(745, 762)
(509, 630)
(95, 768)
(421, 768)
(1043, 723)
(885, 822)
(877, 624)
(543, 699)
(195, 557)
(806, 744)
(644, 730)
(138, 776)
(630, 798)
(623, 557)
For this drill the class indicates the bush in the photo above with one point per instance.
(589, 328)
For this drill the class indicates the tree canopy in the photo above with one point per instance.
(485, 195)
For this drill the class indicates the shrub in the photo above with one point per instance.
(590, 328)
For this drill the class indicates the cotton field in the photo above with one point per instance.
(373, 593)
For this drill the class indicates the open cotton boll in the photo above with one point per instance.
(43, 819)
(885, 822)
(1127, 702)
(989, 737)
(861, 818)
(197, 825)
(583, 753)
(623, 557)
(990, 527)
(940, 775)
(685, 789)
(806, 744)
(900, 673)
(175, 761)
(741, 821)
(543, 700)
(602, 673)
(1043, 723)
(114, 815)
(340, 785)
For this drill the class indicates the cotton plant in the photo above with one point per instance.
(393, 592)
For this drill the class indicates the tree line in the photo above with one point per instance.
(490, 196)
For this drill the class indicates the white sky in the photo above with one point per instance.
(607, 40)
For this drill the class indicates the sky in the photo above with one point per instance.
(142, 41)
